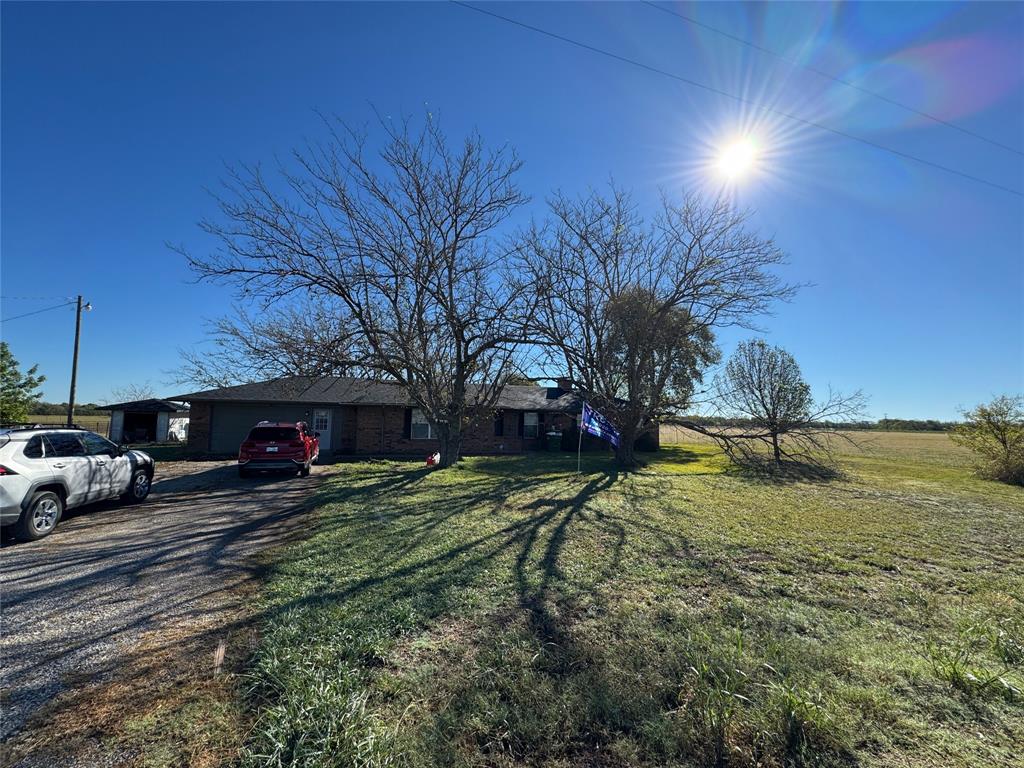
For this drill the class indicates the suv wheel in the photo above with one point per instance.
(40, 517)
(138, 487)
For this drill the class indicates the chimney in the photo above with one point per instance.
(563, 382)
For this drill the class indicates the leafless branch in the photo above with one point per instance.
(402, 245)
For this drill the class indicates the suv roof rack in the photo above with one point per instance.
(14, 427)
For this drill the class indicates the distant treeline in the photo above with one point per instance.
(56, 409)
(882, 425)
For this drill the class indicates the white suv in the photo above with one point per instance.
(45, 470)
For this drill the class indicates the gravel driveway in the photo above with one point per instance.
(74, 602)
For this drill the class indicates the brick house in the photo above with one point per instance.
(365, 417)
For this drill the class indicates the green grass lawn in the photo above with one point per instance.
(513, 612)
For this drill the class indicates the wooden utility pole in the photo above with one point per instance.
(74, 360)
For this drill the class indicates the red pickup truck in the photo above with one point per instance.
(275, 446)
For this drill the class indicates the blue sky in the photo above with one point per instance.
(116, 118)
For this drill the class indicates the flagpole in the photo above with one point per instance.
(579, 444)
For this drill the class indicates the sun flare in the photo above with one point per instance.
(738, 159)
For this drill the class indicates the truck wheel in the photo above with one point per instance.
(40, 516)
(138, 487)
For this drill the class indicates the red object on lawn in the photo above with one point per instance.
(433, 459)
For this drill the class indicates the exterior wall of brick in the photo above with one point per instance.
(343, 437)
(374, 430)
(199, 426)
(380, 430)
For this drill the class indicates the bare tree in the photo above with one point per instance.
(132, 392)
(763, 389)
(404, 241)
(629, 307)
(303, 338)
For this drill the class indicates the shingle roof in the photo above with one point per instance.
(146, 406)
(354, 391)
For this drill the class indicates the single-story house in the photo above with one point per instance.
(147, 421)
(368, 417)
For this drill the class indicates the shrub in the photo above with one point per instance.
(995, 432)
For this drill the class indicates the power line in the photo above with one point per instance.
(833, 78)
(740, 99)
(38, 311)
(34, 298)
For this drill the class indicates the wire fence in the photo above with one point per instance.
(98, 424)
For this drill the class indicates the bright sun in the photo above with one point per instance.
(737, 159)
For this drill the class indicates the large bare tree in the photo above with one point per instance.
(298, 338)
(630, 304)
(763, 389)
(404, 242)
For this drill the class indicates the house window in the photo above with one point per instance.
(530, 424)
(321, 420)
(420, 428)
(499, 424)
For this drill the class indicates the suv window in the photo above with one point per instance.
(63, 444)
(266, 434)
(34, 447)
(98, 446)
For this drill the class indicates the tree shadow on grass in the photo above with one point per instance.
(537, 598)
(763, 470)
(389, 555)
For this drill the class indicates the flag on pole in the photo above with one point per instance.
(597, 425)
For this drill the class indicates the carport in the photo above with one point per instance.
(148, 421)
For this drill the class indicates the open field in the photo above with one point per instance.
(98, 424)
(928, 447)
(512, 612)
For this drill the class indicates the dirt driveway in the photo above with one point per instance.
(75, 603)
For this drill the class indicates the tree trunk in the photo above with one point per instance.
(625, 453)
(451, 445)
(775, 449)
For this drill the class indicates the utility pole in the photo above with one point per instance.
(74, 359)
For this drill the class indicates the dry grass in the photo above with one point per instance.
(927, 447)
(164, 704)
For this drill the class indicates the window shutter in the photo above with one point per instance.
(522, 419)
(407, 428)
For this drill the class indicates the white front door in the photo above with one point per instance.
(322, 424)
